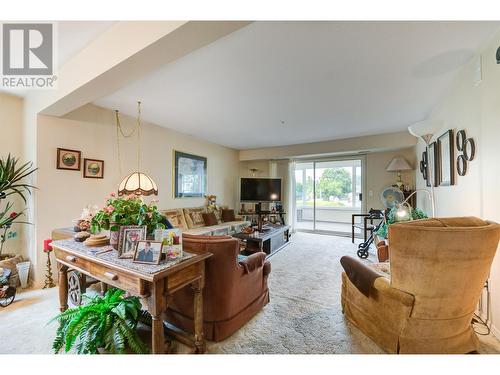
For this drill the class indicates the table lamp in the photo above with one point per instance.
(397, 165)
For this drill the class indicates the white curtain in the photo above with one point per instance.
(273, 168)
(290, 196)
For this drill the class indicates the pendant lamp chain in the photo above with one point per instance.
(119, 130)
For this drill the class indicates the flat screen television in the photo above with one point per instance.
(260, 189)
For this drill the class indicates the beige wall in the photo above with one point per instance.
(64, 193)
(11, 124)
(477, 110)
(377, 178)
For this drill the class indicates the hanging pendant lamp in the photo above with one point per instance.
(138, 183)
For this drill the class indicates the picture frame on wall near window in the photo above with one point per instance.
(190, 175)
(446, 159)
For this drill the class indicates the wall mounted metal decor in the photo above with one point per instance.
(467, 147)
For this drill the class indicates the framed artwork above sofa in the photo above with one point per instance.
(190, 175)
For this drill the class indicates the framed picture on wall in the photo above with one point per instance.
(446, 159)
(432, 165)
(190, 175)
(68, 159)
(93, 168)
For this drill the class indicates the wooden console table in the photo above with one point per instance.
(154, 283)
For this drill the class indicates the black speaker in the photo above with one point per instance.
(498, 55)
(258, 207)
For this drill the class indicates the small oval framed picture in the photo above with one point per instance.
(93, 168)
(68, 159)
(148, 252)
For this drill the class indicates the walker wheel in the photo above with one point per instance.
(363, 253)
(7, 297)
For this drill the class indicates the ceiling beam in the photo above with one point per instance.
(364, 144)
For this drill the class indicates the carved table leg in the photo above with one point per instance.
(104, 288)
(63, 287)
(156, 306)
(199, 337)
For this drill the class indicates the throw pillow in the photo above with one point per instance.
(209, 219)
(228, 215)
(194, 217)
(175, 217)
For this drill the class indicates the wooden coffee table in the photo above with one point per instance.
(271, 240)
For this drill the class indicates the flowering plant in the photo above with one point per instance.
(127, 210)
(5, 223)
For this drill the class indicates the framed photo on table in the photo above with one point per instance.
(128, 238)
(446, 159)
(148, 252)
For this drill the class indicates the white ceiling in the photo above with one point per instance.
(72, 37)
(324, 80)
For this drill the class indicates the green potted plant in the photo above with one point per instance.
(126, 210)
(383, 231)
(105, 324)
(11, 183)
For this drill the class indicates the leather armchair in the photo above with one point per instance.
(233, 293)
(437, 272)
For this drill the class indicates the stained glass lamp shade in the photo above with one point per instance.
(138, 183)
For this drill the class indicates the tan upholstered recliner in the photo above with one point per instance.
(438, 270)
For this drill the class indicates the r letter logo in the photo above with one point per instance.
(27, 49)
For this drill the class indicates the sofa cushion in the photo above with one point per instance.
(228, 215)
(217, 212)
(209, 218)
(176, 218)
(194, 217)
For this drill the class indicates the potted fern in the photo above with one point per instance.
(105, 324)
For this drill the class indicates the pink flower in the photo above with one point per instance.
(109, 209)
(113, 194)
(13, 215)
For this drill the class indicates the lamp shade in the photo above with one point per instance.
(425, 129)
(138, 183)
(398, 164)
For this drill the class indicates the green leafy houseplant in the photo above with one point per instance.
(107, 323)
(383, 231)
(127, 210)
(11, 183)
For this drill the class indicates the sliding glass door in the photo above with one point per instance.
(327, 193)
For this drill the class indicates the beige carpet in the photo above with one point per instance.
(304, 315)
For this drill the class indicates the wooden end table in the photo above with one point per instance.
(154, 287)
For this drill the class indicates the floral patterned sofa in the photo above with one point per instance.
(190, 221)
